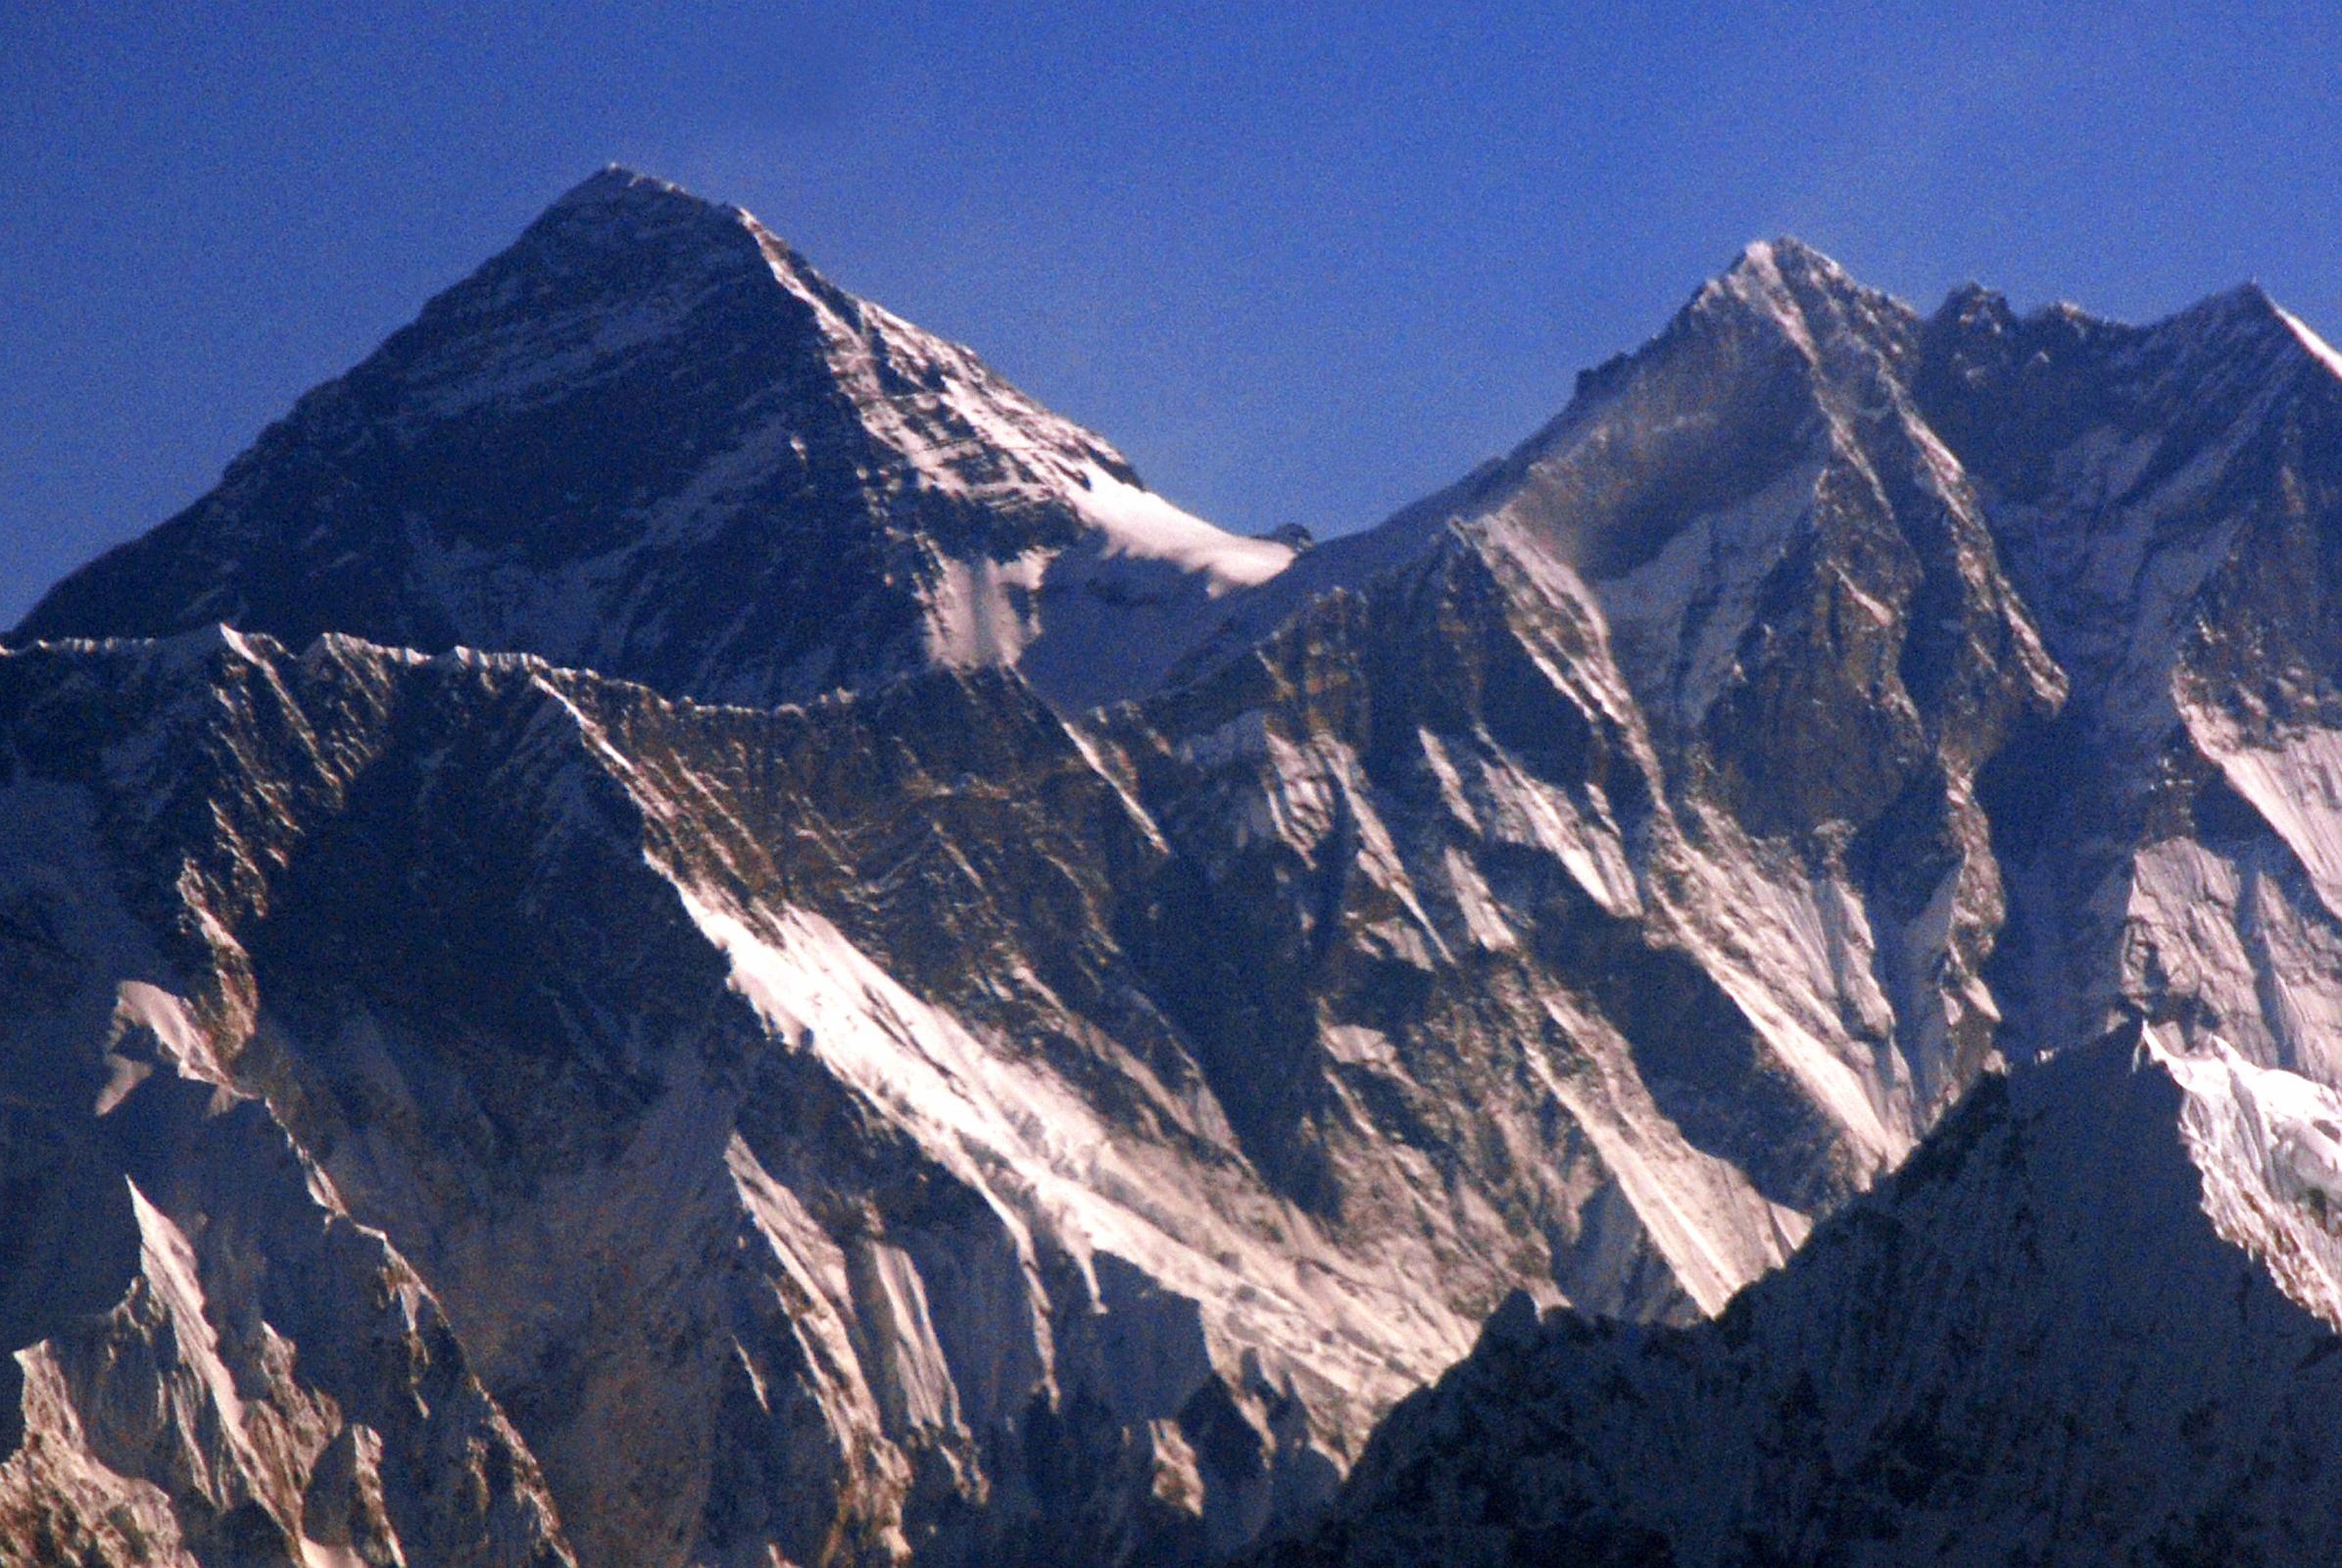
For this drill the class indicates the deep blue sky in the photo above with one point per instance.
(1302, 261)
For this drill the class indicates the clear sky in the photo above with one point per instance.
(1302, 261)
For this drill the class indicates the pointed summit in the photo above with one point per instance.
(616, 184)
(1807, 294)
(2247, 322)
(616, 236)
(1785, 266)
(649, 439)
(1785, 255)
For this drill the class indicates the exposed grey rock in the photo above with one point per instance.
(2109, 1341)
(2092, 1321)
(824, 1127)
(651, 440)
(463, 1108)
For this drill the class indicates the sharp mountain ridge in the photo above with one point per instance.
(676, 928)
(649, 439)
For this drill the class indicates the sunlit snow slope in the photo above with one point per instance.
(651, 440)
(512, 1106)
(2060, 593)
(2093, 1321)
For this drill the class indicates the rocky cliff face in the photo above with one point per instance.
(648, 439)
(518, 1107)
(912, 1124)
(2103, 1342)
(2093, 1321)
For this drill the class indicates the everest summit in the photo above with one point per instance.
(648, 439)
(677, 929)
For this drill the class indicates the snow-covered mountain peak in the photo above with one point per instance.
(650, 439)
(2237, 341)
(922, 1124)
(2268, 1145)
(616, 183)
(2242, 328)
(1791, 287)
(2043, 1341)
(618, 239)
(2243, 338)
(1782, 262)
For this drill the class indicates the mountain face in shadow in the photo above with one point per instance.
(676, 928)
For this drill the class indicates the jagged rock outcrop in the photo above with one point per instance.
(2094, 1320)
(842, 1129)
(1780, 592)
(2087, 1348)
(534, 1111)
(211, 1361)
(648, 439)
